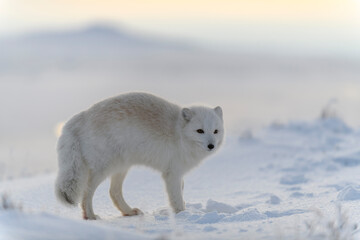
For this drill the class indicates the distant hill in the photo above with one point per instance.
(36, 51)
(96, 37)
(107, 49)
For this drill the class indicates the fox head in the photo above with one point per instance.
(203, 127)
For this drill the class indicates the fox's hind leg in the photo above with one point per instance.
(117, 196)
(86, 204)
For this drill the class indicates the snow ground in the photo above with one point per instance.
(287, 181)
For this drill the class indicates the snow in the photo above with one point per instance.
(287, 181)
(274, 200)
(212, 205)
(17, 225)
(292, 180)
(349, 193)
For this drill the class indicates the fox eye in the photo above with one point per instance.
(200, 131)
(216, 131)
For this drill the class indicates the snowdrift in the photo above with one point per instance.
(285, 181)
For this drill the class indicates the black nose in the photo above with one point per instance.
(210, 146)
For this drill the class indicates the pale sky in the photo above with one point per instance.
(222, 20)
(27, 14)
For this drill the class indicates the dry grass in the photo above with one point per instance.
(7, 204)
(339, 228)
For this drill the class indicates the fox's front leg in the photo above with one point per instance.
(174, 187)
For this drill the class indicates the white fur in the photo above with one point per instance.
(133, 129)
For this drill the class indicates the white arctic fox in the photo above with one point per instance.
(133, 129)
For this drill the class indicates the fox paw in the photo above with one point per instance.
(133, 212)
(93, 217)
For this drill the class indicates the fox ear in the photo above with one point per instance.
(218, 111)
(187, 114)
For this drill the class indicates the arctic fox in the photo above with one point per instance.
(133, 129)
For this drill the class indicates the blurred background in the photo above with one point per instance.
(263, 61)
